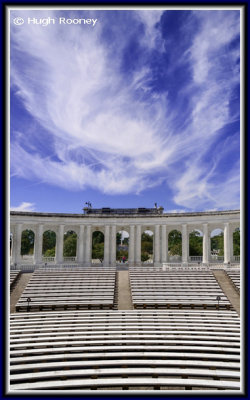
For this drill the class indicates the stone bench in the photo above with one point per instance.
(234, 275)
(176, 289)
(163, 350)
(64, 289)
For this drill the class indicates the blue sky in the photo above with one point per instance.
(142, 107)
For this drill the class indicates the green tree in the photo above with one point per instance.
(175, 243)
(27, 242)
(121, 253)
(236, 243)
(97, 237)
(98, 245)
(146, 246)
(217, 243)
(49, 242)
(195, 244)
(126, 241)
(144, 256)
(98, 251)
(147, 243)
(50, 252)
(118, 238)
(69, 245)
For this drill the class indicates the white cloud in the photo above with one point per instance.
(24, 206)
(107, 133)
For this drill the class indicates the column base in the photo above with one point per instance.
(157, 264)
(184, 264)
(227, 263)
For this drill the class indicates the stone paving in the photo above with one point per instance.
(18, 290)
(228, 288)
(124, 292)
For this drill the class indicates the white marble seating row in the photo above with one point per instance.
(137, 350)
(176, 289)
(234, 275)
(60, 289)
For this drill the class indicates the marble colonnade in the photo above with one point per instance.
(85, 225)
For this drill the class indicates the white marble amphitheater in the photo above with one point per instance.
(168, 326)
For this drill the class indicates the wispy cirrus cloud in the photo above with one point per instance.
(108, 122)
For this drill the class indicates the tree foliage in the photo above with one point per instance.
(175, 243)
(118, 238)
(217, 243)
(27, 242)
(195, 244)
(121, 253)
(146, 246)
(98, 245)
(49, 243)
(126, 241)
(236, 243)
(69, 245)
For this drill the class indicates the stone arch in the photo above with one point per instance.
(175, 245)
(217, 244)
(97, 245)
(69, 243)
(195, 247)
(49, 243)
(122, 245)
(27, 244)
(147, 245)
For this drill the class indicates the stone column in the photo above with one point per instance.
(205, 257)
(106, 246)
(59, 244)
(131, 256)
(88, 246)
(226, 243)
(164, 243)
(16, 249)
(113, 246)
(80, 245)
(38, 246)
(185, 243)
(157, 245)
(138, 245)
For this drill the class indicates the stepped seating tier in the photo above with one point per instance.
(13, 277)
(175, 289)
(85, 288)
(123, 350)
(234, 275)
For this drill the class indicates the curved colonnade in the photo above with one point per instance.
(135, 224)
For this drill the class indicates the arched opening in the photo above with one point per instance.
(196, 246)
(69, 245)
(236, 244)
(49, 245)
(147, 247)
(122, 246)
(174, 246)
(27, 244)
(217, 245)
(97, 247)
